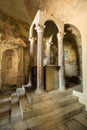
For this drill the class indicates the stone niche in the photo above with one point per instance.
(16, 29)
(11, 62)
(72, 55)
(13, 32)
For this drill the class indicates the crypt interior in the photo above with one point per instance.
(43, 65)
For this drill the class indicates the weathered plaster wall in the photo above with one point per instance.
(14, 28)
(9, 27)
(80, 23)
(70, 61)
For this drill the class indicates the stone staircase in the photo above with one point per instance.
(44, 111)
(5, 108)
(26, 110)
(15, 113)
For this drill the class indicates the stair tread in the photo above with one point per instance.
(25, 108)
(45, 106)
(49, 116)
(46, 103)
(47, 96)
(5, 109)
(5, 100)
(4, 118)
(82, 118)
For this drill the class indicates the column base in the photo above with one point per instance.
(39, 91)
(28, 85)
(62, 88)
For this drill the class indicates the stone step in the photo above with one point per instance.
(15, 112)
(71, 124)
(5, 108)
(82, 118)
(25, 108)
(51, 105)
(46, 121)
(5, 100)
(5, 118)
(8, 108)
(14, 98)
(34, 98)
(20, 92)
(3, 96)
(47, 106)
(5, 104)
(6, 127)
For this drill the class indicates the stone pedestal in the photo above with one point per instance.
(51, 77)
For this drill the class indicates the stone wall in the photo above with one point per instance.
(80, 23)
(18, 32)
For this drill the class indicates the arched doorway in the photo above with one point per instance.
(50, 54)
(72, 56)
(9, 68)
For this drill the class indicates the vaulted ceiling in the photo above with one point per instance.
(26, 9)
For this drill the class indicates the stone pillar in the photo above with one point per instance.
(48, 44)
(32, 40)
(21, 67)
(0, 62)
(61, 61)
(40, 85)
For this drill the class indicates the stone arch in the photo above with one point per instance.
(50, 28)
(72, 54)
(40, 21)
(50, 42)
(9, 68)
(34, 32)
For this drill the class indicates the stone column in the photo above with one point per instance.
(40, 30)
(21, 67)
(0, 60)
(32, 40)
(61, 61)
(48, 44)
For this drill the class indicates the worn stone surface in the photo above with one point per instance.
(13, 40)
(51, 77)
(49, 110)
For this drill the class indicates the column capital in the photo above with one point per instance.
(49, 43)
(60, 35)
(32, 39)
(40, 28)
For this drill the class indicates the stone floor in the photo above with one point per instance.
(77, 122)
